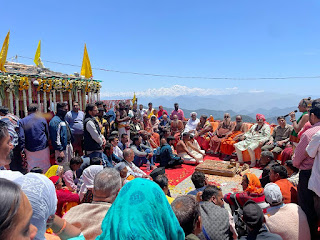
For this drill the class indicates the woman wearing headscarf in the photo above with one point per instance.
(252, 190)
(87, 181)
(152, 127)
(54, 170)
(64, 195)
(145, 214)
(300, 125)
(41, 194)
(257, 135)
(304, 106)
(154, 123)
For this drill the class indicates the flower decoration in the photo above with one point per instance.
(69, 85)
(40, 81)
(48, 85)
(24, 83)
(57, 85)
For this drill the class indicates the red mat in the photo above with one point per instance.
(178, 174)
(211, 158)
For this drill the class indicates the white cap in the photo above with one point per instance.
(272, 193)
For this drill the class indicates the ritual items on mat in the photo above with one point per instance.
(217, 168)
(221, 168)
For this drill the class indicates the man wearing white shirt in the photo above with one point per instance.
(128, 156)
(142, 112)
(116, 150)
(93, 139)
(192, 123)
(313, 150)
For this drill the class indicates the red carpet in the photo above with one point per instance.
(178, 174)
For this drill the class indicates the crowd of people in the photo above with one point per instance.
(100, 174)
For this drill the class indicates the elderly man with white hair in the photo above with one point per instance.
(88, 216)
(192, 123)
(287, 220)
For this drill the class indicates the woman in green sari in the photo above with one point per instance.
(303, 107)
(141, 211)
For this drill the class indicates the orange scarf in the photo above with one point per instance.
(254, 185)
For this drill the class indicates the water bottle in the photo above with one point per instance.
(148, 165)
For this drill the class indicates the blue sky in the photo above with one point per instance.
(187, 38)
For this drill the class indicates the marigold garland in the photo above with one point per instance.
(24, 83)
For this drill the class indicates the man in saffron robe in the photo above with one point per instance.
(226, 146)
(203, 132)
(224, 129)
(176, 125)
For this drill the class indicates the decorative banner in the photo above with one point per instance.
(86, 70)
(37, 59)
(4, 51)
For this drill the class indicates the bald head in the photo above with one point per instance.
(128, 154)
(238, 118)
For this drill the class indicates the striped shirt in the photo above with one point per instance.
(12, 122)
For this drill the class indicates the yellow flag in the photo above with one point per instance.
(38, 53)
(4, 51)
(86, 66)
(134, 99)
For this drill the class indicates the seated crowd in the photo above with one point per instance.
(100, 174)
